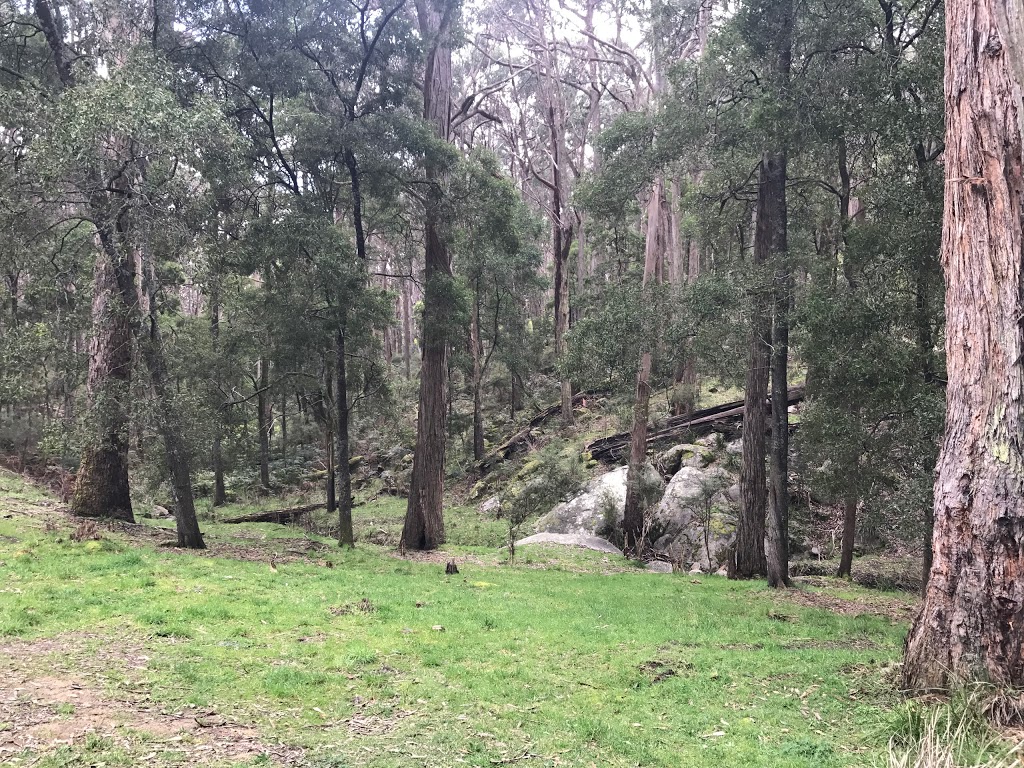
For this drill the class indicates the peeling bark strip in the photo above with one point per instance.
(971, 625)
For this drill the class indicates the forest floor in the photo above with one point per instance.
(277, 648)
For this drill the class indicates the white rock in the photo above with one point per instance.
(571, 540)
(491, 507)
(587, 513)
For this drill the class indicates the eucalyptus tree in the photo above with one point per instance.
(496, 256)
(111, 141)
(424, 521)
(319, 91)
(968, 629)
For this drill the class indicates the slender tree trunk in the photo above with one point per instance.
(263, 416)
(175, 449)
(329, 424)
(284, 425)
(477, 350)
(219, 490)
(849, 535)
(777, 544)
(971, 626)
(115, 235)
(407, 327)
(750, 528)
(345, 534)
(424, 522)
(562, 245)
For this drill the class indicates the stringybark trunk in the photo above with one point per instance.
(424, 522)
(101, 485)
(970, 626)
(152, 349)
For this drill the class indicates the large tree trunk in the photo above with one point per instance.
(424, 523)
(971, 626)
(633, 519)
(115, 239)
(101, 486)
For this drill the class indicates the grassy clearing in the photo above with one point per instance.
(360, 658)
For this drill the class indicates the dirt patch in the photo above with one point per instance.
(896, 609)
(43, 707)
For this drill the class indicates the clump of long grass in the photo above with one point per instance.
(953, 734)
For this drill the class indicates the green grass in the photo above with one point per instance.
(566, 665)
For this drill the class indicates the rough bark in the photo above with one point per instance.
(722, 418)
(101, 485)
(331, 490)
(970, 626)
(424, 523)
(282, 516)
(633, 519)
(750, 529)
(777, 529)
(849, 535)
(263, 406)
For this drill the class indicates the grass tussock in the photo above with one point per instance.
(955, 734)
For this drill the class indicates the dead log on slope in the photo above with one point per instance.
(522, 440)
(282, 516)
(721, 418)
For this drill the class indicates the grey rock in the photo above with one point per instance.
(571, 540)
(159, 511)
(491, 507)
(680, 518)
(695, 568)
(603, 498)
(735, 447)
(659, 566)
(684, 455)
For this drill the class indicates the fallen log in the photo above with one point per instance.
(721, 418)
(282, 516)
(522, 440)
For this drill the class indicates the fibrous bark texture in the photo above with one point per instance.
(101, 486)
(971, 625)
(424, 524)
